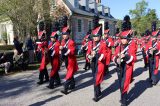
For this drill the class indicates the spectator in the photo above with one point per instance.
(17, 45)
(3, 63)
(18, 53)
(30, 48)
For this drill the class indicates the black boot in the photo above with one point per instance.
(124, 99)
(146, 65)
(72, 84)
(65, 88)
(97, 93)
(85, 66)
(40, 82)
(88, 66)
(46, 75)
(95, 99)
(57, 83)
(154, 80)
(64, 91)
(132, 78)
(51, 83)
(41, 77)
(57, 80)
(106, 70)
(154, 83)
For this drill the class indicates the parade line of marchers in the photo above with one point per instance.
(97, 48)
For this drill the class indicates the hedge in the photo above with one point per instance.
(6, 47)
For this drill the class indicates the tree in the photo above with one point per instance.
(142, 17)
(140, 10)
(21, 14)
(4, 37)
(24, 14)
(119, 24)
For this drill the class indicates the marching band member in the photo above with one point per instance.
(55, 60)
(153, 52)
(109, 43)
(124, 58)
(43, 47)
(84, 48)
(68, 55)
(143, 47)
(96, 54)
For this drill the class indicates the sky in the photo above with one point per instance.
(120, 8)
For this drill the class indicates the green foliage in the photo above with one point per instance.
(140, 10)
(24, 14)
(21, 13)
(119, 24)
(158, 24)
(6, 47)
(4, 36)
(142, 17)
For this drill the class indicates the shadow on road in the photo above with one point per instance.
(139, 60)
(138, 89)
(112, 88)
(138, 54)
(15, 87)
(81, 62)
(45, 101)
(112, 71)
(138, 71)
(158, 78)
(85, 84)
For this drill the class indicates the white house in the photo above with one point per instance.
(82, 13)
(7, 27)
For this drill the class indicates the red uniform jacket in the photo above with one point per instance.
(101, 61)
(142, 43)
(72, 62)
(85, 45)
(116, 43)
(128, 62)
(136, 40)
(134, 48)
(55, 58)
(156, 56)
(43, 47)
(109, 50)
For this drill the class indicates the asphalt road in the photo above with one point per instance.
(21, 89)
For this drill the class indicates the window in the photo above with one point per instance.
(79, 25)
(90, 25)
(76, 3)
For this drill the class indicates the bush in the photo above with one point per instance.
(6, 47)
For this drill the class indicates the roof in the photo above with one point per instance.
(87, 13)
